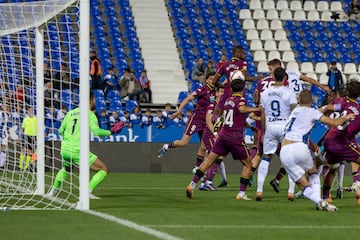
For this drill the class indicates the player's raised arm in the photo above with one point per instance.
(182, 105)
(334, 122)
(314, 82)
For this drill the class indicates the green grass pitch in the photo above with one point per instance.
(158, 201)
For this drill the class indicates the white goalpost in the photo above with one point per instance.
(44, 73)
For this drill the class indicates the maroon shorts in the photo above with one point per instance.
(195, 125)
(337, 151)
(234, 144)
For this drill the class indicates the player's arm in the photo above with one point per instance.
(334, 122)
(209, 122)
(246, 109)
(253, 116)
(257, 97)
(95, 129)
(63, 125)
(216, 78)
(330, 108)
(314, 82)
(182, 105)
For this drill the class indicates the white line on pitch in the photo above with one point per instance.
(135, 226)
(157, 188)
(254, 226)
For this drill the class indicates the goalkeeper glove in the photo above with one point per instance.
(117, 127)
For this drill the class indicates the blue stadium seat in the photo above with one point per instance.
(318, 26)
(308, 36)
(188, 106)
(298, 46)
(341, 47)
(115, 106)
(302, 57)
(113, 95)
(345, 58)
(354, 47)
(99, 94)
(313, 46)
(295, 36)
(304, 26)
(322, 36)
(290, 26)
(350, 37)
(182, 95)
(331, 57)
(317, 56)
(129, 105)
(327, 46)
(357, 58)
(332, 26)
(195, 85)
(345, 27)
(336, 36)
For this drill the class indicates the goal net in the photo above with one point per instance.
(39, 82)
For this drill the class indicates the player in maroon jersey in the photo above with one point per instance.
(197, 122)
(340, 142)
(230, 139)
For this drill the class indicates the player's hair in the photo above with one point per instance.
(237, 85)
(279, 74)
(342, 92)
(219, 86)
(236, 49)
(275, 62)
(353, 88)
(210, 73)
(305, 97)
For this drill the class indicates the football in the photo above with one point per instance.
(237, 74)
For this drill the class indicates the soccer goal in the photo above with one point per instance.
(42, 69)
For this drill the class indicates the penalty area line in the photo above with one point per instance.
(132, 225)
(254, 226)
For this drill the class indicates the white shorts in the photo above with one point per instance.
(272, 137)
(296, 159)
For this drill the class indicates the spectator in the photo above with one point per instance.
(95, 71)
(210, 67)
(354, 11)
(104, 121)
(198, 73)
(130, 88)
(335, 77)
(221, 62)
(51, 97)
(4, 92)
(110, 81)
(159, 120)
(114, 118)
(147, 118)
(136, 116)
(19, 95)
(50, 121)
(144, 83)
(63, 78)
(166, 114)
(47, 73)
(126, 119)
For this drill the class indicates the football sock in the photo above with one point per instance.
(292, 185)
(314, 180)
(280, 174)
(326, 192)
(21, 162)
(170, 145)
(223, 170)
(27, 161)
(341, 171)
(325, 171)
(97, 179)
(210, 173)
(199, 160)
(198, 175)
(2, 158)
(262, 173)
(60, 177)
(309, 193)
(244, 182)
(356, 175)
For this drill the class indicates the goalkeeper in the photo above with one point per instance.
(70, 147)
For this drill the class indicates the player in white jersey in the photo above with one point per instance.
(277, 102)
(295, 153)
(294, 83)
(3, 133)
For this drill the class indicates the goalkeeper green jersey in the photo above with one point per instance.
(70, 130)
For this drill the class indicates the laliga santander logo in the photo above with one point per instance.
(237, 74)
